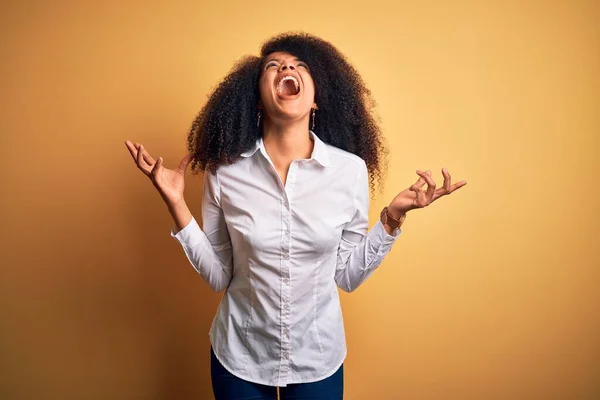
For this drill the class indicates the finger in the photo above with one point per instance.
(147, 157)
(418, 185)
(185, 161)
(442, 191)
(420, 182)
(430, 192)
(156, 167)
(132, 150)
(447, 180)
(141, 163)
(457, 185)
(445, 189)
(439, 193)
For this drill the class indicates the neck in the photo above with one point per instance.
(287, 142)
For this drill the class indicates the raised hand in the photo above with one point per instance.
(416, 197)
(169, 182)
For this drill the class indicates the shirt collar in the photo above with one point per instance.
(319, 152)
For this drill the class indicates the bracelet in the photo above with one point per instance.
(386, 218)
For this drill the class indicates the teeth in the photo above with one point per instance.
(287, 78)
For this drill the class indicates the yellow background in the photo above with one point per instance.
(491, 293)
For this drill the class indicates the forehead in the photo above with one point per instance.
(280, 55)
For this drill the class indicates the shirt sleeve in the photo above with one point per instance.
(360, 252)
(209, 249)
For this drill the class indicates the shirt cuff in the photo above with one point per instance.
(190, 234)
(380, 235)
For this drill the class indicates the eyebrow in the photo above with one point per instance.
(277, 59)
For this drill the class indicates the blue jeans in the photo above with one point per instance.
(229, 387)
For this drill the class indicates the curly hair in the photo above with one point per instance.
(227, 124)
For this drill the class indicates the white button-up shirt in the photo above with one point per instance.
(280, 251)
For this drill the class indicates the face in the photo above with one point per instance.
(287, 91)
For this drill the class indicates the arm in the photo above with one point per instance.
(208, 250)
(181, 214)
(360, 252)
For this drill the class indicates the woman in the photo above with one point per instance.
(291, 147)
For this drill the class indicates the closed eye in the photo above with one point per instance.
(273, 63)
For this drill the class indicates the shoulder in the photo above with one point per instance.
(344, 159)
(353, 172)
(348, 165)
(234, 168)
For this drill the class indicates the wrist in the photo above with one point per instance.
(391, 222)
(181, 214)
(395, 213)
(176, 204)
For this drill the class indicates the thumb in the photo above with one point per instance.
(185, 161)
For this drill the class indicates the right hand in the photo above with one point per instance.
(168, 182)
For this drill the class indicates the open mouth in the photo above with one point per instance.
(288, 86)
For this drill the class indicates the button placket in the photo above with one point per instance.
(286, 340)
(286, 289)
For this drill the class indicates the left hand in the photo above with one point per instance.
(416, 197)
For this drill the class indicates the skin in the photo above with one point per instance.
(285, 126)
(285, 136)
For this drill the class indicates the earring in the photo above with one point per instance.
(313, 118)
(258, 122)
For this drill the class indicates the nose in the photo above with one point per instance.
(285, 65)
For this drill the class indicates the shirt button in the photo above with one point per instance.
(286, 354)
(286, 332)
(286, 281)
(287, 306)
(286, 256)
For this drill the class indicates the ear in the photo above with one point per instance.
(315, 106)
